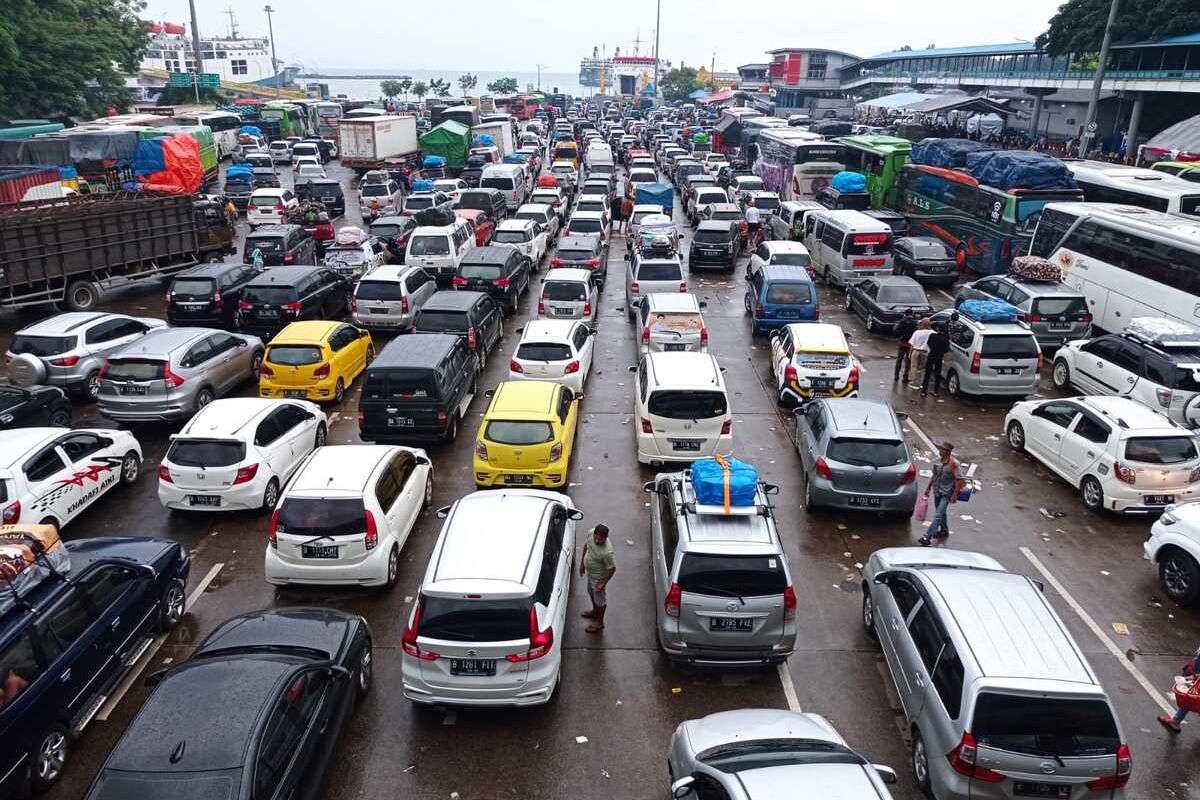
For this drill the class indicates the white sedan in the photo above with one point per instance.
(554, 350)
(1174, 545)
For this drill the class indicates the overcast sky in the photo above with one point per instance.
(516, 34)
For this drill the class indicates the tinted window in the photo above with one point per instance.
(324, 516)
(867, 452)
(731, 576)
(436, 321)
(268, 244)
(565, 291)
(269, 295)
(134, 370)
(268, 431)
(948, 679)
(519, 432)
(1160, 449)
(1044, 725)
(379, 290)
(586, 226)
(399, 385)
(429, 246)
(905, 595)
(192, 287)
(544, 351)
(66, 623)
(19, 668)
(42, 345)
(789, 292)
(687, 404)
(206, 452)
(1060, 306)
(43, 466)
(791, 259)
(460, 620)
(503, 184)
(486, 273)
(867, 244)
(574, 255)
(294, 355)
(1091, 430)
(1009, 347)
(103, 586)
(713, 237)
(912, 295)
(659, 271)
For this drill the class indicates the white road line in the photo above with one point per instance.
(789, 689)
(928, 442)
(335, 416)
(1155, 694)
(128, 681)
(946, 295)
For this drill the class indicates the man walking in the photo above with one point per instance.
(904, 331)
(945, 485)
(614, 209)
(753, 222)
(599, 566)
(939, 345)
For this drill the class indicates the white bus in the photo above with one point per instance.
(797, 164)
(1128, 261)
(224, 125)
(1135, 186)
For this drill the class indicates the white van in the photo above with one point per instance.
(511, 179)
(681, 408)
(847, 247)
(439, 248)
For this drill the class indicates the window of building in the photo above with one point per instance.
(238, 66)
(817, 66)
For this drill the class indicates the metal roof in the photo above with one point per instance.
(968, 50)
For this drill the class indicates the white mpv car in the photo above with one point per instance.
(345, 515)
(681, 409)
(238, 452)
(554, 350)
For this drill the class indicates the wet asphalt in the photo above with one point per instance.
(618, 691)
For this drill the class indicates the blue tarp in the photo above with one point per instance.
(243, 171)
(1019, 169)
(708, 481)
(148, 158)
(849, 182)
(422, 185)
(434, 161)
(989, 310)
(483, 140)
(946, 153)
(662, 194)
(253, 130)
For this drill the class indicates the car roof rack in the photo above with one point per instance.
(687, 489)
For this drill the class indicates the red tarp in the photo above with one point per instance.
(184, 172)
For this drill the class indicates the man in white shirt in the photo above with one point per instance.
(919, 346)
(753, 220)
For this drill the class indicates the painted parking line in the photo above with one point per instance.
(946, 295)
(124, 686)
(925, 439)
(1109, 644)
(789, 688)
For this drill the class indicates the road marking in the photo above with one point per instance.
(789, 689)
(1108, 643)
(335, 416)
(946, 295)
(928, 442)
(128, 681)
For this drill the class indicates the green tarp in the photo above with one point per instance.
(451, 140)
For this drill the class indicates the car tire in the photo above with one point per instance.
(321, 436)
(1179, 575)
(809, 506)
(868, 614)
(1092, 493)
(49, 758)
(172, 606)
(270, 495)
(781, 399)
(872, 326)
(256, 364)
(370, 356)
(1061, 374)
(339, 391)
(920, 764)
(214, 258)
(131, 468)
(60, 418)
(51, 521)
(393, 566)
(364, 673)
(1016, 436)
(203, 398)
(452, 428)
(952, 384)
(90, 391)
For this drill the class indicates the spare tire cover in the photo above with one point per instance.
(27, 370)
(1191, 411)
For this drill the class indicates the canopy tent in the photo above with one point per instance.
(898, 100)
(947, 103)
(696, 95)
(1179, 142)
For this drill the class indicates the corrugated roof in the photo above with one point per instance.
(968, 50)
(1186, 38)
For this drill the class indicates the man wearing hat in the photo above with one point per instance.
(945, 485)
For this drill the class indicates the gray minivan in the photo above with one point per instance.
(990, 358)
(1055, 312)
(1000, 701)
(724, 594)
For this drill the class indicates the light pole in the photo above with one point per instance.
(271, 31)
(657, 26)
(1085, 141)
(539, 70)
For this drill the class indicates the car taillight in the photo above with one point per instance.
(292, 307)
(556, 452)
(1040, 361)
(164, 475)
(556, 262)
(472, 341)
(789, 603)
(646, 427)
(170, 377)
(408, 642)
(673, 600)
(171, 295)
(288, 258)
(910, 474)
(457, 281)
(372, 536)
(103, 369)
(281, 209)
(245, 474)
(962, 761)
(817, 312)
(975, 359)
(683, 286)
(1086, 318)
(758, 310)
(852, 378)
(11, 513)
(481, 451)
(272, 534)
(1121, 776)
(265, 371)
(515, 366)
(1034, 317)
(322, 371)
(540, 642)
(704, 336)
(1125, 474)
(822, 468)
(572, 368)
(354, 305)
(217, 301)
(404, 305)
(503, 283)
(727, 426)
(593, 262)
(541, 306)
(1164, 397)
(646, 335)
(634, 288)
(790, 375)
(244, 306)
(69, 361)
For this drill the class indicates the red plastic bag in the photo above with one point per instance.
(1187, 693)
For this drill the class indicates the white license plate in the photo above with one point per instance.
(673, 348)
(378, 310)
(400, 422)
(686, 445)
(267, 313)
(730, 624)
(132, 390)
(865, 502)
(473, 666)
(1059, 326)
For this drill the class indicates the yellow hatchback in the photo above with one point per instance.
(314, 360)
(527, 435)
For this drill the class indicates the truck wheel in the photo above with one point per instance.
(214, 258)
(82, 296)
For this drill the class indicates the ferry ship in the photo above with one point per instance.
(619, 74)
(235, 58)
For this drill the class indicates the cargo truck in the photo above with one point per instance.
(501, 133)
(365, 143)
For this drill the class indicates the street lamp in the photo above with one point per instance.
(539, 71)
(657, 26)
(271, 31)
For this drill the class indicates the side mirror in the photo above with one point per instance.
(881, 579)
(770, 488)
(650, 487)
(489, 393)
(632, 368)
(155, 678)
(443, 512)
(703, 305)
(886, 773)
(339, 671)
(682, 787)
(575, 514)
(421, 461)
(242, 343)
(592, 331)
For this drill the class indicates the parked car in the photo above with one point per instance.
(776, 253)
(715, 243)
(389, 296)
(527, 237)
(500, 271)
(269, 206)
(883, 301)
(314, 360)
(280, 245)
(671, 322)
(781, 295)
(587, 252)
(569, 294)
(281, 295)
(207, 294)
(35, 407)
(1055, 312)
(681, 408)
(527, 435)
(475, 317)
(417, 389)
(927, 259)
(556, 350)
(812, 360)
(990, 358)
(1174, 548)
(646, 275)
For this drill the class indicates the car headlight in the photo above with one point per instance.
(1168, 516)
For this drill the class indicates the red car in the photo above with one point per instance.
(480, 222)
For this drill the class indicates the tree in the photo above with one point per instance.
(420, 89)
(1078, 26)
(59, 57)
(503, 86)
(678, 83)
(439, 87)
(467, 82)
(390, 88)
(406, 84)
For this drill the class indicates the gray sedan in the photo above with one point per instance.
(171, 374)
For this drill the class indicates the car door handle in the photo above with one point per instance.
(115, 623)
(1056, 436)
(895, 624)
(66, 676)
(1091, 454)
(920, 679)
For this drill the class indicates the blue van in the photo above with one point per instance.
(66, 643)
(780, 295)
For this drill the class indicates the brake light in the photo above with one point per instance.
(1040, 361)
(515, 366)
(870, 238)
(646, 335)
(321, 372)
(245, 474)
(646, 427)
(1121, 777)
(704, 336)
(1086, 318)
(1125, 474)
(472, 341)
(587, 307)
(542, 307)
(909, 475)
(288, 258)
(556, 262)
(217, 301)
(244, 306)
(593, 262)
(975, 359)
(404, 305)
(481, 451)
(962, 761)
(1034, 317)
(69, 361)
(683, 286)
(354, 305)
(673, 600)
(164, 475)
(790, 375)
(727, 426)
(572, 368)
(852, 379)
(540, 642)
(817, 312)
(265, 371)
(408, 642)
(789, 603)
(457, 281)
(556, 452)
(634, 288)
(272, 535)
(171, 295)
(170, 377)
(1164, 397)
(281, 208)
(103, 369)
(822, 468)
(503, 283)
(291, 307)
(372, 537)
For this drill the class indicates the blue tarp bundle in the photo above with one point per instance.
(434, 161)
(989, 310)
(253, 130)
(709, 477)
(946, 153)
(483, 140)
(422, 185)
(148, 158)
(662, 194)
(849, 182)
(243, 171)
(1019, 169)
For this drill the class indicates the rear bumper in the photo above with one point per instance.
(391, 322)
(368, 571)
(652, 449)
(800, 393)
(1132, 501)
(772, 323)
(824, 494)
(700, 655)
(401, 435)
(244, 497)
(535, 690)
(316, 392)
(158, 411)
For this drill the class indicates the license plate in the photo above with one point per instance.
(789, 314)
(378, 310)
(821, 383)
(192, 306)
(132, 389)
(710, 252)
(938, 269)
(730, 624)
(318, 551)
(867, 502)
(563, 312)
(473, 666)
(267, 313)
(688, 445)
(1029, 789)
(400, 422)
(1059, 326)
(674, 348)
(1158, 499)
(518, 479)
(204, 500)
(1008, 370)
(328, 199)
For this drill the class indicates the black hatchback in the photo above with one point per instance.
(208, 294)
(282, 295)
(715, 243)
(326, 191)
(280, 245)
(501, 272)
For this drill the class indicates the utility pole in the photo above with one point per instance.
(271, 32)
(1085, 141)
(197, 62)
(539, 69)
(657, 25)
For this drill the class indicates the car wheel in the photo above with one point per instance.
(428, 491)
(60, 418)
(1016, 436)
(809, 506)
(370, 356)
(82, 296)
(322, 435)
(868, 613)
(782, 399)
(172, 606)
(1092, 493)
(952, 384)
(339, 390)
(1061, 375)
(203, 398)
(255, 364)
(51, 521)
(270, 495)
(1179, 575)
(393, 566)
(365, 671)
(214, 258)
(131, 467)
(50, 757)
(828, 277)
(920, 764)
(91, 386)
(452, 428)
(872, 326)
(482, 359)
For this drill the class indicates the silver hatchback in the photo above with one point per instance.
(389, 297)
(672, 322)
(173, 373)
(569, 294)
(990, 358)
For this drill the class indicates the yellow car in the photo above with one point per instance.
(527, 435)
(314, 360)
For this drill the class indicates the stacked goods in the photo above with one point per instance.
(989, 311)
(946, 153)
(724, 481)
(1035, 268)
(1019, 169)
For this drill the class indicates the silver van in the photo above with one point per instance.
(1055, 312)
(990, 358)
(569, 294)
(723, 590)
(645, 275)
(847, 246)
(388, 297)
(1000, 701)
(672, 322)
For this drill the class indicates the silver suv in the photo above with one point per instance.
(990, 358)
(68, 350)
(1055, 312)
(1000, 700)
(726, 591)
(171, 374)
(644, 276)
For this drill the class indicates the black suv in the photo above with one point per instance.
(265, 178)
(715, 243)
(489, 201)
(416, 389)
(208, 294)
(473, 316)
(502, 272)
(238, 189)
(280, 245)
(583, 252)
(833, 199)
(279, 296)
(326, 191)
(393, 232)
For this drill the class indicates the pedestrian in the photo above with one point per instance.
(599, 566)
(905, 328)
(919, 347)
(753, 222)
(626, 211)
(939, 345)
(945, 485)
(1190, 670)
(231, 212)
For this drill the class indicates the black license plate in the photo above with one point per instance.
(204, 500)
(821, 383)
(400, 422)
(518, 479)
(132, 389)
(328, 199)
(378, 310)
(1008, 370)
(686, 445)
(730, 624)
(318, 551)
(473, 666)
(267, 313)
(864, 501)
(1158, 499)
(1030, 789)
(297, 393)
(674, 348)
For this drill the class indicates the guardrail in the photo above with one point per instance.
(240, 88)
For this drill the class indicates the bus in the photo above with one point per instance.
(1135, 186)
(224, 126)
(880, 159)
(1127, 261)
(1188, 170)
(328, 114)
(522, 107)
(797, 164)
(290, 118)
(986, 226)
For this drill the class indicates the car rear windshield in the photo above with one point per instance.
(294, 355)
(376, 190)
(731, 576)
(386, 230)
(564, 291)
(265, 201)
(932, 250)
(192, 287)
(511, 237)
(912, 295)
(767, 203)
(725, 216)
(659, 271)
(479, 271)
(1160, 449)
(867, 244)
(586, 226)
(1045, 726)
(268, 244)
(399, 385)
(349, 255)
(789, 292)
(1020, 346)
(519, 432)
(791, 259)
(455, 619)
(503, 184)
(133, 369)
(322, 516)
(1060, 306)
(42, 345)
(574, 255)
(713, 237)
(687, 404)
(379, 290)
(438, 321)
(867, 452)
(591, 205)
(206, 452)
(269, 295)
(543, 351)
(429, 246)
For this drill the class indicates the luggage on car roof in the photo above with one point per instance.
(989, 310)
(724, 481)
(1035, 268)
(849, 182)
